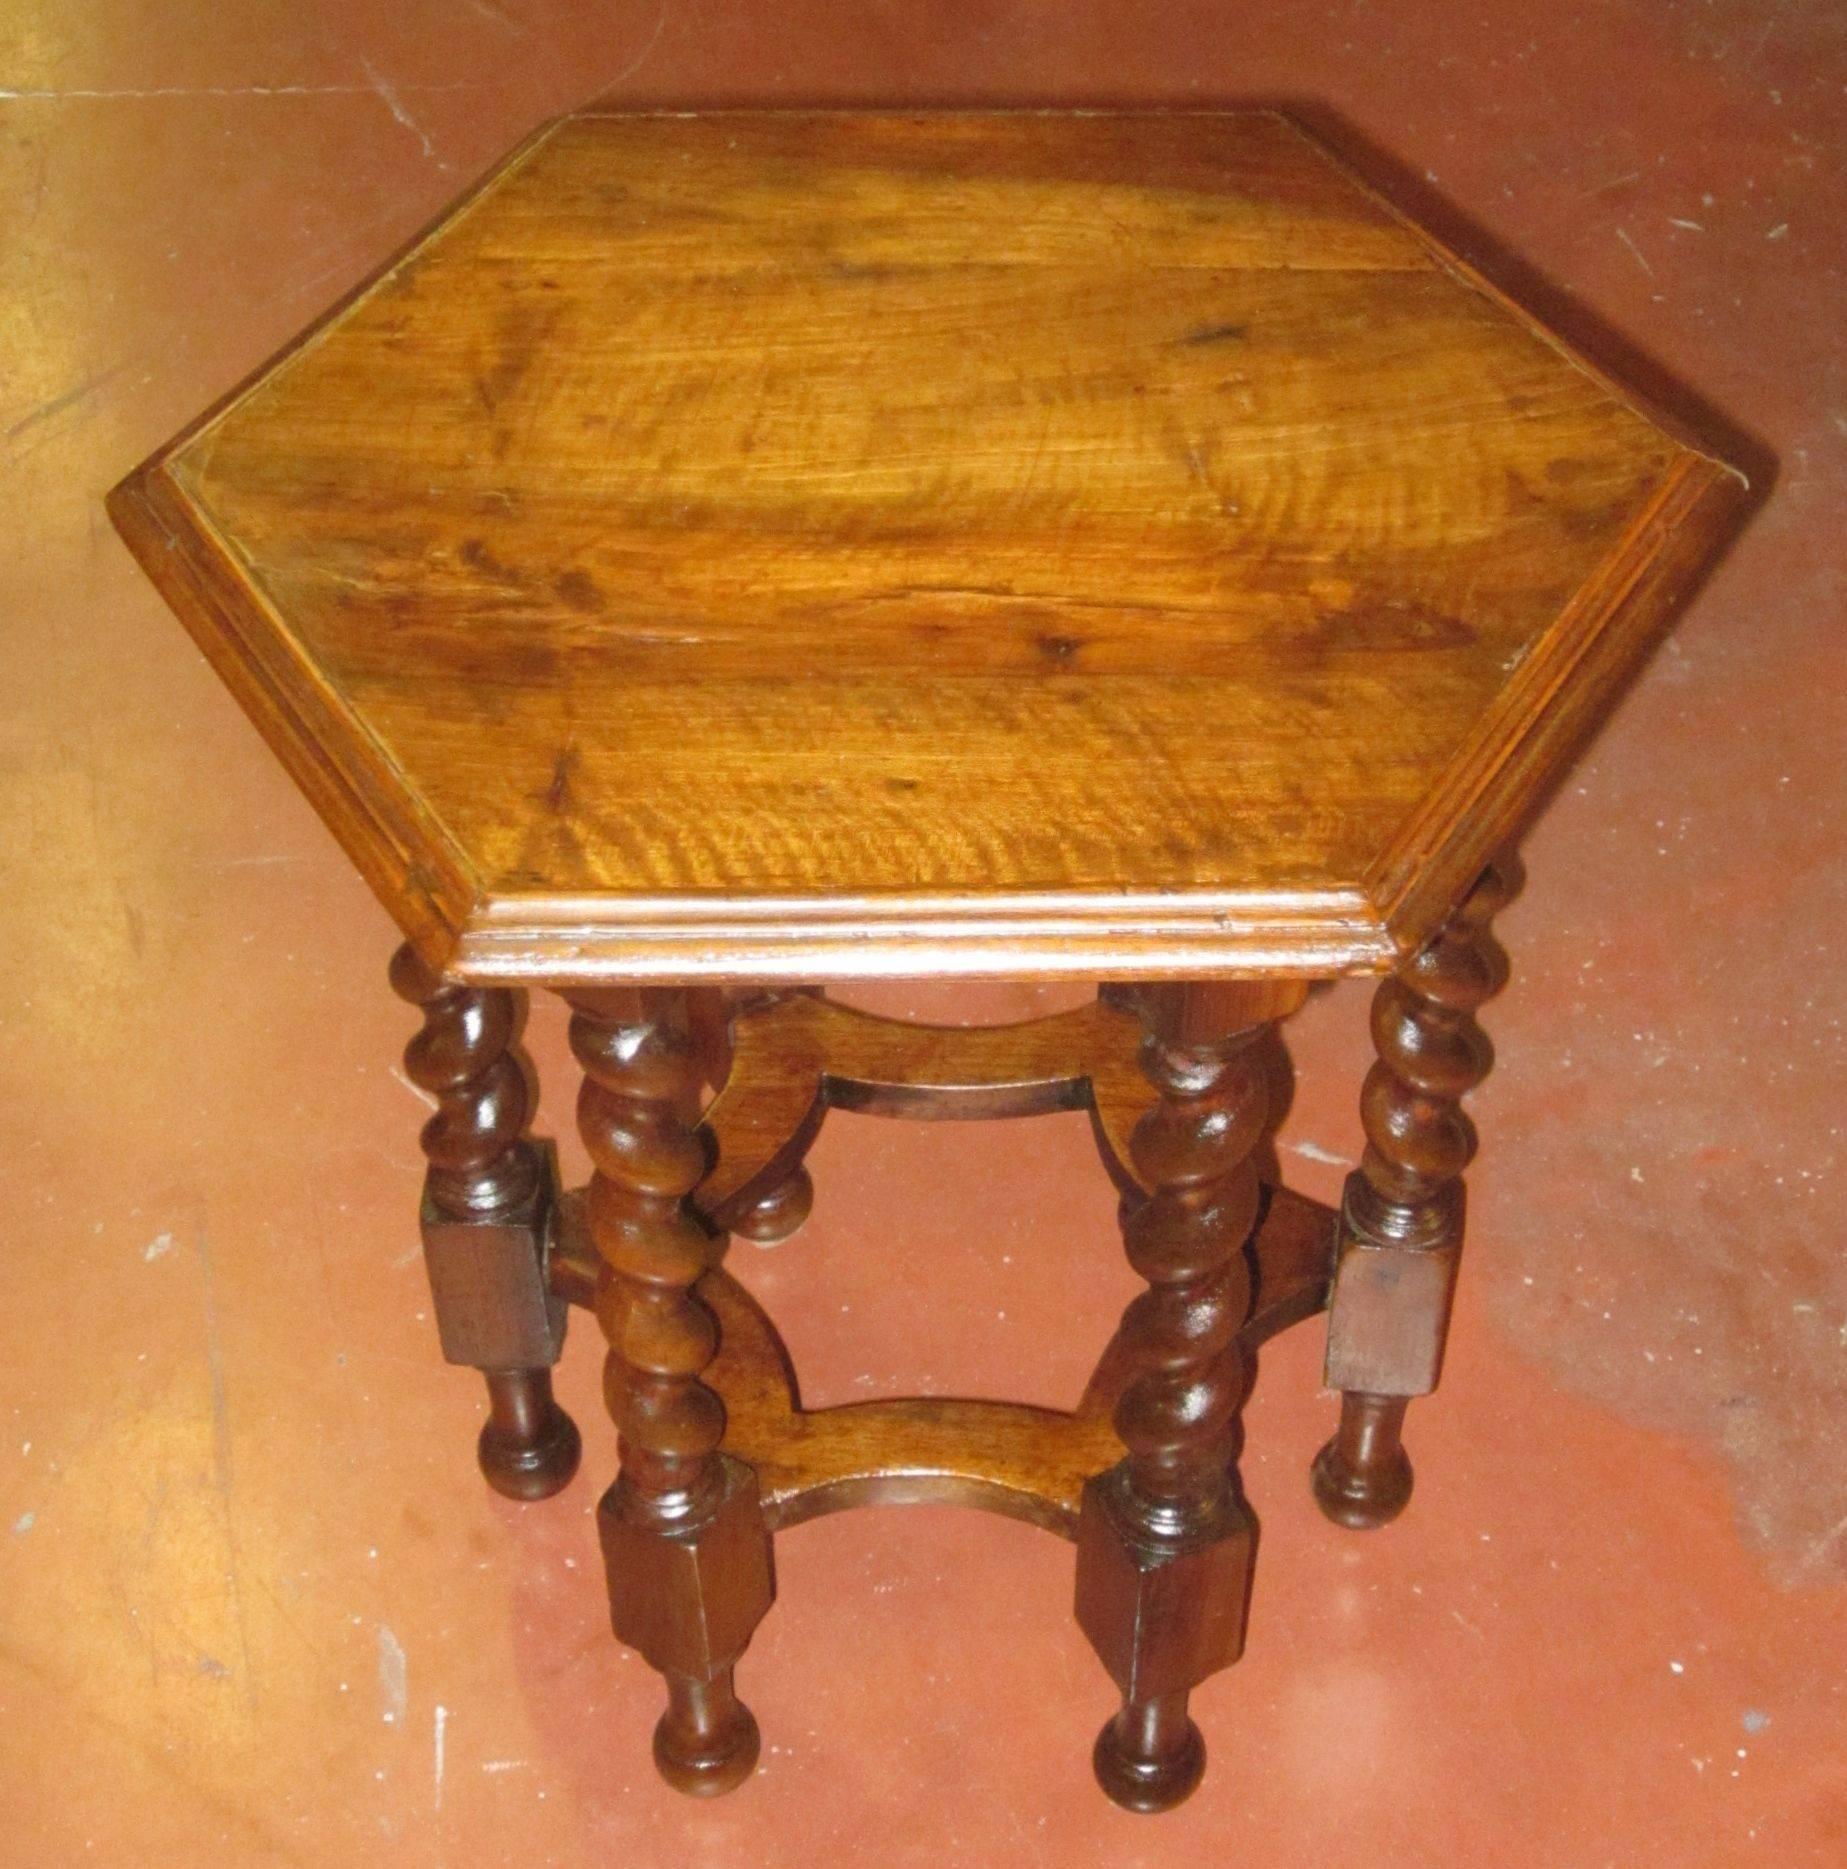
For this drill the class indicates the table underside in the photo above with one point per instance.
(793, 1059)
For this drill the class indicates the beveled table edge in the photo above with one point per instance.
(458, 925)
(838, 939)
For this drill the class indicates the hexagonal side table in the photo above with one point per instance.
(734, 554)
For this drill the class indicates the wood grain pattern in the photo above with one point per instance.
(810, 545)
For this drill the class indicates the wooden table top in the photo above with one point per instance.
(812, 545)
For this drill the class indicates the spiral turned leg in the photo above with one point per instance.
(1401, 1220)
(487, 1200)
(1165, 1541)
(685, 1544)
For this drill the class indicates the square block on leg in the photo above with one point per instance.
(1388, 1315)
(1161, 1615)
(689, 1600)
(494, 1305)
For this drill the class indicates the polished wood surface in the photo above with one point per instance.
(486, 1217)
(765, 550)
(1401, 1219)
(791, 1059)
(686, 1547)
(718, 1451)
(810, 545)
(1024, 1462)
(1165, 1541)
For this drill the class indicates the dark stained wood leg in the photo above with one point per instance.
(488, 1197)
(1165, 1540)
(707, 1741)
(685, 1543)
(1401, 1221)
(1362, 1476)
(1150, 1755)
(528, 1446)
(779, 1214)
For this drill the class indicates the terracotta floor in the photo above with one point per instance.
(254, 1605)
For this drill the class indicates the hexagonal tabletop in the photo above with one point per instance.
(809, 545)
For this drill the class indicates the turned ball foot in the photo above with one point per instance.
(780, 1213)
(707, 1741)
(1150, 1756)
(1362, 1477)
(529, 1447)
